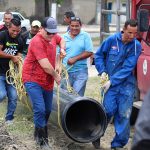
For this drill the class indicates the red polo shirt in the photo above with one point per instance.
(40, 48)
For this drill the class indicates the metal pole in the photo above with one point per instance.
(128, 8)
(118, 16)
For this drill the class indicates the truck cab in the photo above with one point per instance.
(140, 10)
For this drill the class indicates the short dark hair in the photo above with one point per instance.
(69, 14)
(131, 22)
(8, 12)
(76, 19)
(15, 22)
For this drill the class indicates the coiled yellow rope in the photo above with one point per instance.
(14, 77)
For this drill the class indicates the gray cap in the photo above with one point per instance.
(50, 25)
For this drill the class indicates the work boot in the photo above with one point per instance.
(96, 143)
(46, 133)
(36, 138)
(42, 139)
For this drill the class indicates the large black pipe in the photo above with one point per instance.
(82, 119)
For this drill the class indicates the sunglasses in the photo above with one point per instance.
(48, 33)
(75, 18)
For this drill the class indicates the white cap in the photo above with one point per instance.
(36, 23)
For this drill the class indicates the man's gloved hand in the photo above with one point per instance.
(106, 86)
(103, 76)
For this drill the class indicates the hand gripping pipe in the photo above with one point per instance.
(83, 119)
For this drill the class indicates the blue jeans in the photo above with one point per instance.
(9, 91)
(78, 81)
(41, 100)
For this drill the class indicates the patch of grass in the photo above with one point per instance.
(92, 88)
(22, 124)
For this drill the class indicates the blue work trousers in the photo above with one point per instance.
(9, 91)
(78, 80)
(118, 103)
(41, 100)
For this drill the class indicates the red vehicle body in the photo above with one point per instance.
(143, 65)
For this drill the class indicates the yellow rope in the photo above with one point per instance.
(99, 89)
(65, 76)
(14, 77)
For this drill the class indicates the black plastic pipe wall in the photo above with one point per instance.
(82, 119)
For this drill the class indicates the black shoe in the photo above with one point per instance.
(96, 143)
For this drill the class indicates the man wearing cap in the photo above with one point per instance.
(39, 74)
(28, 35)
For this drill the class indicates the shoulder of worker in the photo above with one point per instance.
(2, 27)
(24, 34)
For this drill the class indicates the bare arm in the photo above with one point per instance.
(15, 59)
(62, 48)
(83, 55)
(48, 68)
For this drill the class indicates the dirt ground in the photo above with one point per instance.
(57, 140)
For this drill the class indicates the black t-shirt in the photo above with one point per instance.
(11, 46)
(26, 37)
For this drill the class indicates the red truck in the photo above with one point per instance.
(140, 10)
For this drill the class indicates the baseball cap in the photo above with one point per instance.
(36, 23)
(50, 25)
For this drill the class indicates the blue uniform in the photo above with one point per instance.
(118, 60)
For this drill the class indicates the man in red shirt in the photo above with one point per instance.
(39, 74)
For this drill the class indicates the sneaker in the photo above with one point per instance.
(96, 144)
(9, 122)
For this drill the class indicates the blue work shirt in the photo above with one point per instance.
(75, 46)
(117, 59)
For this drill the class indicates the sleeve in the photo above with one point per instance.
(2, 37)
(127, 67)
(100, 55)
(88, 43)
(58, 38)
(20, 49)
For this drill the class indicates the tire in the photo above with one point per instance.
(134, 116)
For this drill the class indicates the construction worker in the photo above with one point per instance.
(79, 47)
(117, 57)
(39, 73)
(67, 18)
(11, 46)
(6, 19)
(28, 35)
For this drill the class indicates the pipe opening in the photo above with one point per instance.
(84, 120)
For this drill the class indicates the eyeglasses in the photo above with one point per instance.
(50, 33)
(75, 18)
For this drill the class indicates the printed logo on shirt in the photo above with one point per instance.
(28, 41)
(114, 47)
(11, 48)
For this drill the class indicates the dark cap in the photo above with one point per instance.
(50, 25)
